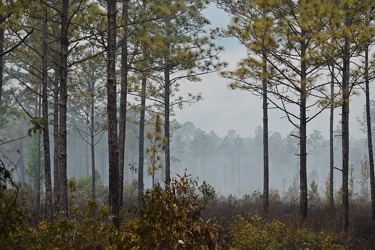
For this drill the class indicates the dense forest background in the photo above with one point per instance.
(232, 165)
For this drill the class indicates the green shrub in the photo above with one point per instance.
(170, 218)
(208, 192)
(91, 229)
(256, 233)
(12, 205)
(12, 210)
(80, 190)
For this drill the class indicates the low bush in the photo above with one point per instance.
(256, 233)
(91, 229)
(171, 218)
(12, 205)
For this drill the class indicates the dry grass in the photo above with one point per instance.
(360, 234)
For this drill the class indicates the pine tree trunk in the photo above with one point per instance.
(39, 157)
(64, 43)
(2, 19)
(114, 196)
(167, 92)
(345, 134)
(303, 159)
(92, 141)
(331, 141)
(56, 182)
(87, 149)
(93, 176)
(123, 98)
(46, 148)
(369, 133)
(302, 128)
(265, 141)
(141, 148)
(22, 162)
(1, 57)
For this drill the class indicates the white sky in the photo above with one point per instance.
(223, 109)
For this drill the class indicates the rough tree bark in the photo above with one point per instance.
(167, 93)
(331, 140)
(39, 156)
(265, 139)
(302, 134)
(123, 97)
(1, 56)
(369, 133)
(92, 142)
(114, 196)
(45, 104)
(56, 182)
(345, 133)
(63, 100)
(141, 144)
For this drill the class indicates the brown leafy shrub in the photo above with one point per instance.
(91, 229)
(171, 218)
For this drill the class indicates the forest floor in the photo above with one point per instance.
(360, 234)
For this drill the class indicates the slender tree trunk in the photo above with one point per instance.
(64, 43)
(345, 134)
(2, 19)
(114, 196)
(92, 141)
(46, 148)
(331, 140)
(39, 158)
(303, 161)
(38, 180)
(123, 97)
(302, 128)
(265, 141)
(22, 162)
(88, 147)
(1, 55)
(369, 133)
(167, 92)
(93, 179)
(56, 182)
(141, 143)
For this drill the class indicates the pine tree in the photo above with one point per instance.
(86, 102)
(252, 26)
(11, 13)
(179, 52)
(348, 32)
(114, 189)
(157, 141)
(282, 41)
(123, 95)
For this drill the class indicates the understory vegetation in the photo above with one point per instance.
(181, 216)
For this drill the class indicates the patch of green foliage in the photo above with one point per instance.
(32, 170)
(12, 205)
(256, 233)
(90, 229)
(208, 192)
(80, 190)
(171, 218)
